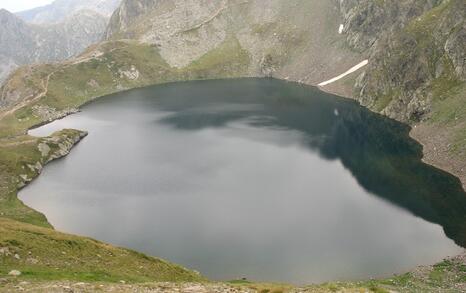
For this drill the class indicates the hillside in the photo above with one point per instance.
(415, 74)
(417, 71)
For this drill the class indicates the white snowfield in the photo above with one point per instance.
(353, 69)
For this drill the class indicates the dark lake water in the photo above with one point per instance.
(253, 178)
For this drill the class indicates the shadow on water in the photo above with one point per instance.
(378, 151)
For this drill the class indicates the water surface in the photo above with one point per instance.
(253, 178)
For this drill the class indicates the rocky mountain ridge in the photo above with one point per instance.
(24, 43)
(59, 10)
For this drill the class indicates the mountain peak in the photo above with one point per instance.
(8, 17)
(4, 12)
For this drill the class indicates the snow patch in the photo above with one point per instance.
(353, 69)
(341, 28)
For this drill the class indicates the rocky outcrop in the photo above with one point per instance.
(51, 148)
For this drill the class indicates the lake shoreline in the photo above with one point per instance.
(433, 139)
(70, 113)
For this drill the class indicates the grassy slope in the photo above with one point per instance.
(22, 161)
(45, 254)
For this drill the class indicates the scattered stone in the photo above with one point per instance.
(32, 260)
(44, 149)
(93, 83)
(14, 273)
(5, 251)
(132, 74)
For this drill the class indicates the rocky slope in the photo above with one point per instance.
(59, 10)
(413, 46)
(23, 43)
(417, 69)
(295, 40)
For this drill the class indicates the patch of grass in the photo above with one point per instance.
(383, 101)
(229, 59)
(376, 289)
(270, 288)
(49, 255)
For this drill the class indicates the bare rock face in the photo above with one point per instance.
(126, 14)
(7, 65)
(368, 21)
(455, 49)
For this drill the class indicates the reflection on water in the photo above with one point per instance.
(253, 178)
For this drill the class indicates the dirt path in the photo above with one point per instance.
(45, 88)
